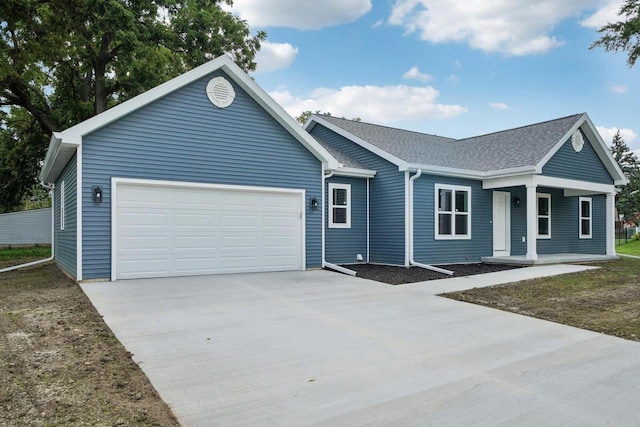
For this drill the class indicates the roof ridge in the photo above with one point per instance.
(387, 127)
(521, 127)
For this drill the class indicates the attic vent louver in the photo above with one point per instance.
(220, 92)
(577, 141)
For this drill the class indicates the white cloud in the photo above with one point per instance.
(628, 135)
(515, 27)
(453, 78)
(377, 104)
(275, 56)
(378, 23)
(604, 15)
(499, 106)
(415, 74)
(301, 14)
(618, 88)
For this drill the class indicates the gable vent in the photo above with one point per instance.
(220, 92)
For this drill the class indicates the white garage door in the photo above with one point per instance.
(165, 230)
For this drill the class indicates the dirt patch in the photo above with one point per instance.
(59, 362)
(394, 275)
(605, 300)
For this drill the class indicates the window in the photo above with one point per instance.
(544, 216)
(585, 217)
(62, 205)
(339, 206)
(453, 212)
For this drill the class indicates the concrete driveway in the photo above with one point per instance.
(319, 348)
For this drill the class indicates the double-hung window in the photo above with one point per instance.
(453, 212)
(544, 216)
(339, 205)
(585, 217)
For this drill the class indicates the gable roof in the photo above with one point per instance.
(63, 144)
(524, 149)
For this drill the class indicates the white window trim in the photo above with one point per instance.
(580, 218)
(347, 187)
(538, 216)
(62, 205)
(453, 236)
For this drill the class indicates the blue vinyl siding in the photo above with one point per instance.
(584, 166)
(427, 249)
(183, 137)
(564, 224)
(386, 192)
(343, 244)
(65, 245)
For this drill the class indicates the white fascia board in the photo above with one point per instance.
(598, 145)
(278, 113)
(52, 153)
(443, 171)
(571, 186)
(313, 120)
(523, 170)
(74, 134)
(605, 155)
(560, 143)
(508, 181)
(355, 172)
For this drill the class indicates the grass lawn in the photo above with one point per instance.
(59, 362)
(631, 248)
(605, 300)
(15, 256)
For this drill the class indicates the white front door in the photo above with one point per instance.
(501, 223)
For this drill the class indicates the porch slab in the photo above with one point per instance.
(547, 259)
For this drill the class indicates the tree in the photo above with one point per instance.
(623, 35)
(304, 116)
(63, 61)
(628, 199)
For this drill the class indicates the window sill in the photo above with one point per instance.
(452, 238)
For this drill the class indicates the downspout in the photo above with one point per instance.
(51, 189)
(325, 263)
(411, 260)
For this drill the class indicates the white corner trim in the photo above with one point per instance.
(79, 272)
(407, 225)
(313, 120)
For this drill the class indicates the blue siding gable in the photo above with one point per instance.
(387, 199)
(343, 244)
(65, 245)
(584, 165)
(183, 137)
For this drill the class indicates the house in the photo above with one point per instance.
(206, 174)
(519, 195)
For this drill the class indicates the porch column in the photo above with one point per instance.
(532, 222)
(611, 224)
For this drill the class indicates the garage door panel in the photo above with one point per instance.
(174, 231)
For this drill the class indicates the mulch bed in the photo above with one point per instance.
(400, 275)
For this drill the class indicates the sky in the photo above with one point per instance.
(454, 68)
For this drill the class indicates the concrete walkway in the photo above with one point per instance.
(321, 348)
(436, 287)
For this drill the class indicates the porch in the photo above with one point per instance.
(547, 259)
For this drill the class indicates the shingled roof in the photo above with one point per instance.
(524, 146)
